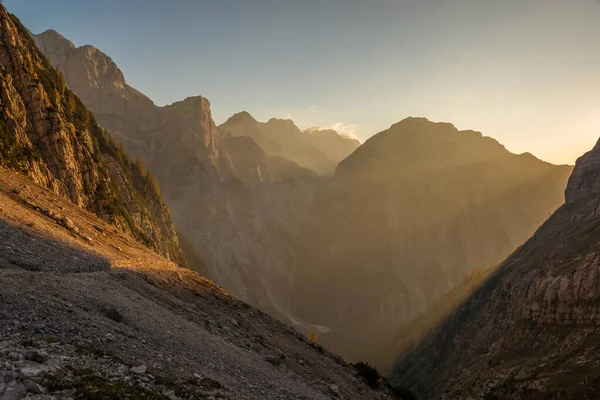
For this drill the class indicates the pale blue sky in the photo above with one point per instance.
(526, 72)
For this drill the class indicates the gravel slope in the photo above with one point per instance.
(91, 299)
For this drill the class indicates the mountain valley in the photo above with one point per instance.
(148, 251)
(279, 228)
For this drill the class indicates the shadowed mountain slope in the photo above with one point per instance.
(531, 330)
(405, 219)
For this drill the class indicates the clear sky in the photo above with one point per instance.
(526, 72)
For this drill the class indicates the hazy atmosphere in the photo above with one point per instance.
(523, 72)
(299, 200)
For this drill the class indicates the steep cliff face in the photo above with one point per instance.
(531, 330)
(49, 135)
(405, 219)
(281, 137)
(585, 180)
(96, 79)
(185, 153)
(250, 229)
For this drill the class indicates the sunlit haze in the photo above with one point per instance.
(300, 199)
(522, 71)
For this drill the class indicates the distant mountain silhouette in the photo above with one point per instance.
(330, 142)
(318, 150)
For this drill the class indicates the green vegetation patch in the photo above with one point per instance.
(12, 154)
(86, 384)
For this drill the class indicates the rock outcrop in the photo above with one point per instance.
(49, 135)
(531, 329)
(585, 180)
(96, 79)
(405, 219)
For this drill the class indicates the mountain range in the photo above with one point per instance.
(91, 304)
(279, 223)
(215, 192)
(460, 269)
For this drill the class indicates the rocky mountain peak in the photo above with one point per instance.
(54, 42)
(194, 110)
(241, 120)
(585, 179)
(193, 103)
(423, 125)
(283, 122)
(194, 120)
(243, 124)
(104, 68)
(243, 116)
(405, 142)
(86, 70)
(325, 134)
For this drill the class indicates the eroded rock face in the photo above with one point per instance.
(585, 180)
(49, 135)
(96, 79)
(531, 330)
